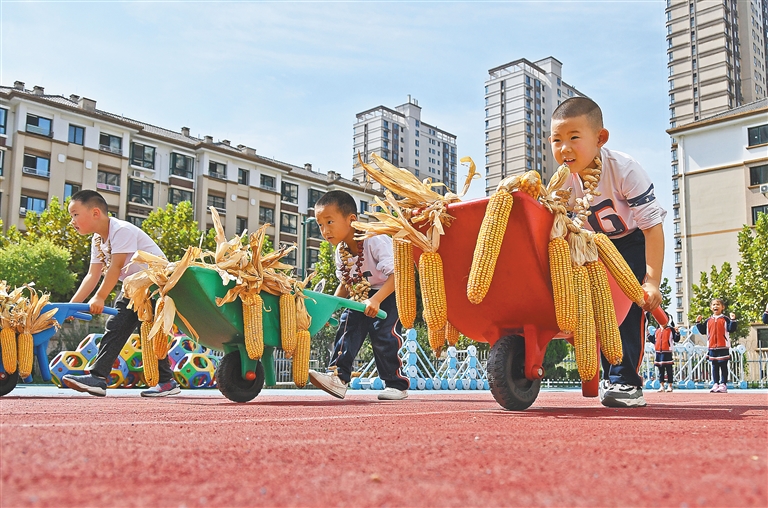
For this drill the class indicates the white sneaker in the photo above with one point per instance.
(393, 394)
(669, 387)
(329, 383)
(620, 395)
(603, 387)
(661, 388)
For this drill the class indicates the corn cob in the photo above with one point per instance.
(433, 290)
(26, 346)
(561, 272)
(451, 334)
(160, 340)
(619, 269)
(405, 283)
(584, 339)
(288, 323)
(605, 315)
(530, 183)
(8, 344)
(488, 245)
(252, 321)
(436, 339)
(148, 357)
(301, 359)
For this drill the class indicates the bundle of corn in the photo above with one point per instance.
(303, 338)
(405, 281)
(8, 318)
(561, 273)
(32, 320)
(451, 334)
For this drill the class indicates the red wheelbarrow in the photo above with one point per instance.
(517, 316)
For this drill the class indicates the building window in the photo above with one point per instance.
(243, 177)
(758, 210)
(2, 161)
(3, 120)
(288, 223)
(762, 338)
(217, 170)
(182, 165)
(241, 224)
(143, 156)
(674, 169)
(290, 193)
(218, 202)
(35, 165)
(290, 258)
(678, 257)
(363, 206)
(108, 181)
(110, 143)
(69, 189)
(313, 255)
(758, 175)
(76, 134)
(39, 125)
(679, 287)
(267, 182)
(176, 196)
(141, 192)
(136, 221)
(30, 204)
(758, 135)
(313, 196)
(266, 215)
(313, 230)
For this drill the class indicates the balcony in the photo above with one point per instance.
(111, 149)
(216, 175)
(34, 129)
(37, 172)
(108, 187)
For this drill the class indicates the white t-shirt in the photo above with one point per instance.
(378, 261)
(627, 200)
(125, 238)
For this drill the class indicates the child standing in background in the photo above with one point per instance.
(665, 338)
(718, 329)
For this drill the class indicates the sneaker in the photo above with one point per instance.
(715, 388)
(661, 388)
(163, 389)
(669, 387)
(393, 394)
(620, 395)
(88, 383)
(329, 383)
(603, 387)
(723, 388)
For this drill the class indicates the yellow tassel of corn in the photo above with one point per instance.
(148, 357)
(530, 183)
(160, 340)
(584, 336)
(8, 344)
(301, 358)
(561, 272)
(619, 268)
(436, 339)
(451, 334)
(605, 315)
(488, 245)
(433, 290)
(26, 354)
(252, 322)
(288, 311)
(405, 281)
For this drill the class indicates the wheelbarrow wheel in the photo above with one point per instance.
(506, 375)
(8, 382)
(230, 379)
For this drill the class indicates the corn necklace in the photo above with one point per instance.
(105, 258)
(356, 283)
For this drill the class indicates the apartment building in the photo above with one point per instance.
(720, 183)
(51, 145)
(402, 138)
(519, 99)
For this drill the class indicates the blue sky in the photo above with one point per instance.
(287, 78)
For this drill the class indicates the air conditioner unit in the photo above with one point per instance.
(22, 211)
(136, 174)
(764, 188)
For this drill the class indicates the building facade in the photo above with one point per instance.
(400, 137)
(720, 183)
(52, 145)
(519, 99)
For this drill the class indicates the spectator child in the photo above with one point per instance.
(765, 315)
(718, 329)
(665, 338)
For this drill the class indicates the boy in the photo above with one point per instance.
(356, 261)
(627, 212)
(113, 244)
(665, 338)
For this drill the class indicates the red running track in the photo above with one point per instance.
(438, 449)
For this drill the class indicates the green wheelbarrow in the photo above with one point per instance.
(239, 378)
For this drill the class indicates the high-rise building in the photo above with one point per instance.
(519, 99)
(402, 138)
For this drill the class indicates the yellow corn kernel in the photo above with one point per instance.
(26, 354)
(433, 290)
(561, 272)
(288, 323)
(301, 358)
(530, 183)
(8, 345)
(451, 334)
(405, 281)
(436, 339)
(488, 245)
(584, 336)
(252, 322)
(160, 340)
(148, 357)
(605, 315)
(619, 268)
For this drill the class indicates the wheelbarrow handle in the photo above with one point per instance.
(659, 314)
(360, 306)
(76, 310)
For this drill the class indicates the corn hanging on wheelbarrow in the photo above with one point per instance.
(517, 316)
(40, 340)
(240, 378)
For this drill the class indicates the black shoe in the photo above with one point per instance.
(88, 383)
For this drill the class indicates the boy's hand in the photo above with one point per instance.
(698, 319)
(96, 304)
(371, 307)
(653, 298)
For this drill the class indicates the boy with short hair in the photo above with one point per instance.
(113, 245)
(626, 210)
(357, 261)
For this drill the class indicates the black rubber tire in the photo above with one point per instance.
(506, 375)
(8, 382)
(230, 379)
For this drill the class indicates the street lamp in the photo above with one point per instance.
(304, 224)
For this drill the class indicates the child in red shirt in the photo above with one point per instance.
(718, 329)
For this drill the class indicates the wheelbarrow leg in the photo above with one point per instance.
(42, 361)
(590, 388)
(534, 353)
(268, 362)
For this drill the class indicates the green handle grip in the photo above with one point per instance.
(360, 306)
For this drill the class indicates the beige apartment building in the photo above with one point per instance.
(51, 145)
(720, 183)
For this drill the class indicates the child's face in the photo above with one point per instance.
(575, 142)
(334, 225)
(83, 218)
(716, 307)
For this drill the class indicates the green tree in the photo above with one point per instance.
(752, 279)
(174, 229)
(325, 269)
(41, 262)
(719, 284)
